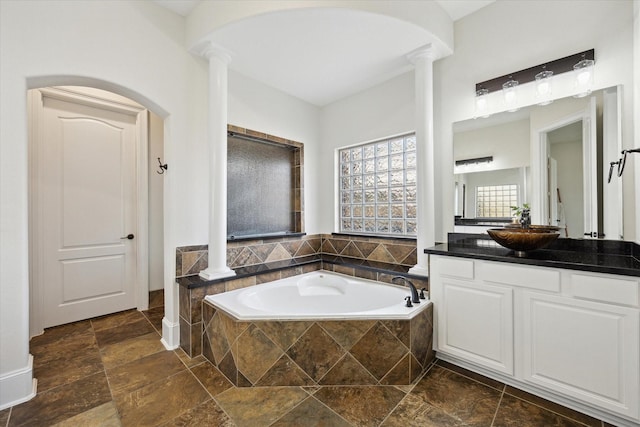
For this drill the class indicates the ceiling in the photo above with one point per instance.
(321, 55)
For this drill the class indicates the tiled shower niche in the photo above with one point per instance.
(310, 353)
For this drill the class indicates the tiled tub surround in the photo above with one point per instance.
(260, 261)
(320, 352)
(190, 260)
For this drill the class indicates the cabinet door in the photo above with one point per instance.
(583, 349)
(475, 322)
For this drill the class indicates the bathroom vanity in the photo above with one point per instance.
(562, 323)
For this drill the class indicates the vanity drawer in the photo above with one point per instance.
(544, 279)
(454, 267)
(616, 290)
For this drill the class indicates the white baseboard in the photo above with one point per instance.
(170, 334)
(18, 386)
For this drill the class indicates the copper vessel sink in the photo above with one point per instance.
(522, 240)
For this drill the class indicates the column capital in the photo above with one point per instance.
(426, 52)
(210, 50)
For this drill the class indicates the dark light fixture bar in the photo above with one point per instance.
(487, 159)
(558, 66)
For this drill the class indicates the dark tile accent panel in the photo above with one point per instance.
(308, 353)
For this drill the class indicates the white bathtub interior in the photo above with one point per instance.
(318, 295)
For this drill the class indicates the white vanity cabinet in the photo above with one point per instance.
(475, 319)
(566, 335)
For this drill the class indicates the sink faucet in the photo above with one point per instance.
(414, 292)
(525, 218)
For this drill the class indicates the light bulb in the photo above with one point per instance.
(509, 89)
(543, 87)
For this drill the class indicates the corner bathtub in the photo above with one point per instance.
(318, 295)
(319, 328)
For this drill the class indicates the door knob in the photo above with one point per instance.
(128, 236)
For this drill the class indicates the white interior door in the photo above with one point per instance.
(590, 170)
(87, 208)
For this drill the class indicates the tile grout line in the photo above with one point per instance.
(213, 398)
(495, 414)
(106, 376)
(432, 364)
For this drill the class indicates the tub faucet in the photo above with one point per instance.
(415, 298)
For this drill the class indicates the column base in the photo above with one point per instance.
(418, 270)
(170, 334)
(213, 274)
(18, 386)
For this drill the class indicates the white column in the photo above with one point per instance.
(217, 139)
(422, 59)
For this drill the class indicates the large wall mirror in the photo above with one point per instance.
(555, 157)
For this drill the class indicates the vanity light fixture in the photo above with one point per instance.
(510, 92)
(476, 160)
(544, 81)
(582, 64)
(482, 103)
(584, 76)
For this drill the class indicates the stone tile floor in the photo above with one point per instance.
(113, 371)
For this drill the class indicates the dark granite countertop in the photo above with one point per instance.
(599, 256)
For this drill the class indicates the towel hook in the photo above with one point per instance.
(163, 167)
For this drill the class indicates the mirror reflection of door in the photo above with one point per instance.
(572, 143)
(566, 179)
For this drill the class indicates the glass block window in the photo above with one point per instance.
(377, 184)
(495, 201)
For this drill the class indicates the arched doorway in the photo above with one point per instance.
(79, 289)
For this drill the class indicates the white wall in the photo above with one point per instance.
(255, 106)
(508, 143)
(386, 110)
(156, 205)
